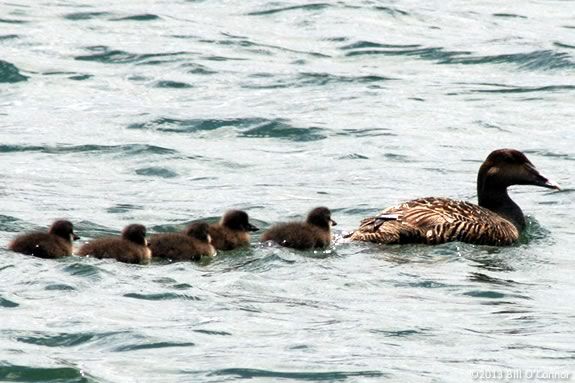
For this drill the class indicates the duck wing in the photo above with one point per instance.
(435, 220)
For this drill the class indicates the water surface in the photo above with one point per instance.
(164, 113)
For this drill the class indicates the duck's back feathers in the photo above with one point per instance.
(56, 243)
(41, 245)
(298, 235)
(224, 238)
(315, 232)
(437, 220)
(180, 247)
(120, 249)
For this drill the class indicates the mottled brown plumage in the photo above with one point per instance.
(232, 231)
(189, 245)
(131, 247)
(315, 232)
(56, 243)
(497, 220)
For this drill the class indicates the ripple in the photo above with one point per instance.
(128, 149)
(370, 44)
(7, 303)
(15, 373)
(438, 54)
(198, 69)
(563, 45)
(247, 127)
(491, 294)
(59, 287)
(250, 373)
(311, 79)
(64, 339)
(77, 16)
(9, 73)
(122, 208)
(155, 171)
(162, 296)
(399, 333)
(391, 10)
(282, 130)
(81, 77)
(524, 89)
(366, 132)
(536, 60)
(542, 59)
(147, 346)
(212, 332)
(83, 270)
(142, 17)
(550, 154)
(172, 85)
(11, 224)
(115, 56)
(353, 156)
(305, 7)
(13, 21)
(9, 37)
(509, 15)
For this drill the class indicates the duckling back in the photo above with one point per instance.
(56, 243)
(232, 231)
(315, 232)
(190, 245)
(132, 247)
(120, 249)
(41, 245)
(297, 235)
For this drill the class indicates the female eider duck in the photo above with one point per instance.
(131, 247)
(189, 245)
(56, 243)
(232, 231)
(315, 232)
(496, 220)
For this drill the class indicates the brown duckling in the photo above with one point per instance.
(56, 243)
(189, 245)
(232, 231)
(131, 247)
(315, 232)
(496, 220)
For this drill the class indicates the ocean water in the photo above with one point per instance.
(166, 112)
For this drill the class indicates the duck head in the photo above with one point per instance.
(135, 233)
(64, 229)
(199, 231)
(321, 217)
(507, 167)
(237, 220)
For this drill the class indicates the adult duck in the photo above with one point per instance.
(496, 220)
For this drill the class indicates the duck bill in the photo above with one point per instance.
(252, 227)
(537, 179)
(552, 185)
(333, 223)
(75, 237)
(545, 182)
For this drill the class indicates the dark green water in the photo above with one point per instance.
(167, 112)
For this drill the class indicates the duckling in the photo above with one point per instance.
(132, 247)
(496, 220)
(56, 243)
(189, 245)
(315, 232)
(232, 231)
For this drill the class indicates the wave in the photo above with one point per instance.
(536, 60)
(246, 127)
(127, 149)
(9, 73)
